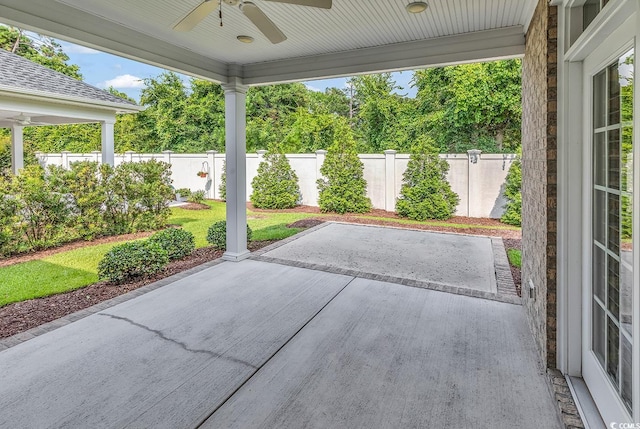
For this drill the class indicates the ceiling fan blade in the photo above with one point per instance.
(323, 4)
(194, 17)
(262, 21)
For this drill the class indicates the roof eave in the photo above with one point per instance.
(31, 94)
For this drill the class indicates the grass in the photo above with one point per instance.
(77, 268)
(515, 257)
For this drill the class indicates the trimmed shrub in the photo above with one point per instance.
(513, 193)
(9, 209)
(83, 183)
(197, 197)
(343, 188)
(183, 192)
(276, 184)
(44, 211)
(152, 193)
(130, 260)
(425, 192)
(217, 235)
(177, 242)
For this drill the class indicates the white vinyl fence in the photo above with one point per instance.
(479, 184)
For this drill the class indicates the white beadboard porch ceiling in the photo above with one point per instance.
(355, 36)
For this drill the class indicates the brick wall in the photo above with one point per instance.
(539, 178)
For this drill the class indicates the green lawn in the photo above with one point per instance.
(78, 268)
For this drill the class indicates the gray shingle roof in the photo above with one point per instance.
(20, 73)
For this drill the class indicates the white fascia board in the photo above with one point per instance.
(47, 97)
(33, 106)
(470, 47)
(70, 24)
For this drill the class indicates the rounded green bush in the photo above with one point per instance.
(177, 242)
(134, 259)
(217, 234)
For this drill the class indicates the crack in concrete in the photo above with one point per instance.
(178, 343)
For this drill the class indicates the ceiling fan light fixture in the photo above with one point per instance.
(245, 39)
(416, 7)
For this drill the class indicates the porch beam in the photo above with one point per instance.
(17, 148)
(235, 94)
(486, 45)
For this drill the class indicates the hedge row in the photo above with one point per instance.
(145, 257)
(43, 208)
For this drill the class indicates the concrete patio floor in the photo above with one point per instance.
(257, 344)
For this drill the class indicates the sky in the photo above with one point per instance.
(103, 70)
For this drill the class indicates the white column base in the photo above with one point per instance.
(235, 257)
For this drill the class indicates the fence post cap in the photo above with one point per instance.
(212, 152)
(321, 152)
(390, 151)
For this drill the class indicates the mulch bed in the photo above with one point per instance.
(21, 316)
(511, 243)
(70, 246)
(485, 223)
(194, 206)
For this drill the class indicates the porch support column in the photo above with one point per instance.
(236, 157)
(107, 142)
(17, 149)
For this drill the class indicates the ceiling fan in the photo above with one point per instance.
(24, 120)
(250, 10)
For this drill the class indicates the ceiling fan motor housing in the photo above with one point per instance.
(231, 2)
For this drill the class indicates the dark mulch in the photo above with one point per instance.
(511, 243)
(485, 223)
(21, 316)
(305, 223)
(195, 206)
(70, 246)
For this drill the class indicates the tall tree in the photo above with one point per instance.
(472, 105)
(40, 49)
(381, 115)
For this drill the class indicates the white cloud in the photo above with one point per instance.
(123, 81)
(312, 88)
(117, 66)
(77, 49)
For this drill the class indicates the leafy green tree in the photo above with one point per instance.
(43, 50)
(472, 106)
(425, 192)
(343, 188)
(311, 132)
(165, 97)
(276, 184)
(332, 101)
(270, 112)
(381, 119)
